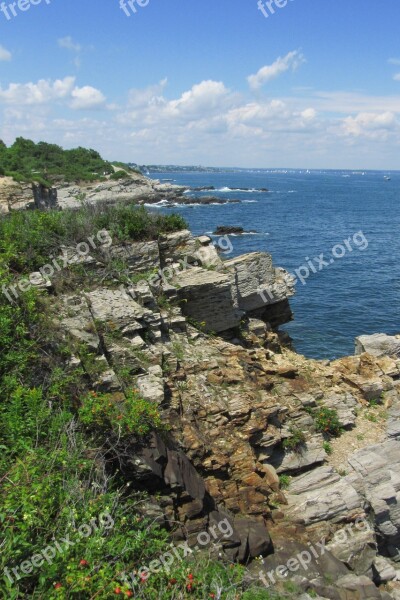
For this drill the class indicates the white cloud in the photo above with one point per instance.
(293, 60)
(374, 126)
(4, 54)
(37, 93)
(396, 77)
(46, 91)
(209, 123)
(86, 97)
(341, 102)
(205, 96)
(68, 43)
(394, 61)
(141, 97)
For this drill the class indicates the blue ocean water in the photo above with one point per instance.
(306, 214)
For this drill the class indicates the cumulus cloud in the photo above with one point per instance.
(396, 77)
(41, 92)
(86, 97)
(292, 61)
(208, 123)
(370, 125)
(46, 91)
(206, 96)
(4, 54)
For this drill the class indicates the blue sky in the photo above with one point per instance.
(214, 82)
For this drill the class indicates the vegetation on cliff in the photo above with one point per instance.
(58, 473)
(47, 163)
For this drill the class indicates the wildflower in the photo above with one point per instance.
(189, 587)
(117, 590)
(57, 586)
(190, 577)
(83, 563)
(129, 594)
(172, 581)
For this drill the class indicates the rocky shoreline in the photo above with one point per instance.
(302, 457)
(212, 357)
(135, 187)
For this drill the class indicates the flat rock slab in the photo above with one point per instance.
(322, 495)
(379, 469)
(207, 297)
(378, 344)
(117, 309)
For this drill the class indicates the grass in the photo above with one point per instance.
(32, 240)
(284, 481)
(296, 440)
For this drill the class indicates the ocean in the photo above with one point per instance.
(305, 214)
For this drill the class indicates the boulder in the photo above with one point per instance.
(378, 344)
(117, 310)
(322, 495)
(311, 453)
(378, 467)
(383, 571)
(206, 297)
(255, 281)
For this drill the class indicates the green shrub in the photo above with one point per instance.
(296, 440)
(120, 175)
(132, 415)
(284, 481)
(327, 421)
(327, 447)
(28, 238)
(27, 161)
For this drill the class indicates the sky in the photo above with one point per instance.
(296, 84)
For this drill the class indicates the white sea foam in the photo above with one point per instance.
(239, 190)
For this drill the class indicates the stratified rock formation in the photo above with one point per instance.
(244, 413)
(25, 196)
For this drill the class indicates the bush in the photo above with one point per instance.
(27, 161)
(120, 175)
(327, 421)
(296, 440)
(28, 238)
(131, 415)
(284, 481)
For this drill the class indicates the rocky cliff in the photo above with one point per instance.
(291, 451)
(23, 196)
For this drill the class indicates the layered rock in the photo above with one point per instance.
(233, 404)
(378, 344)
